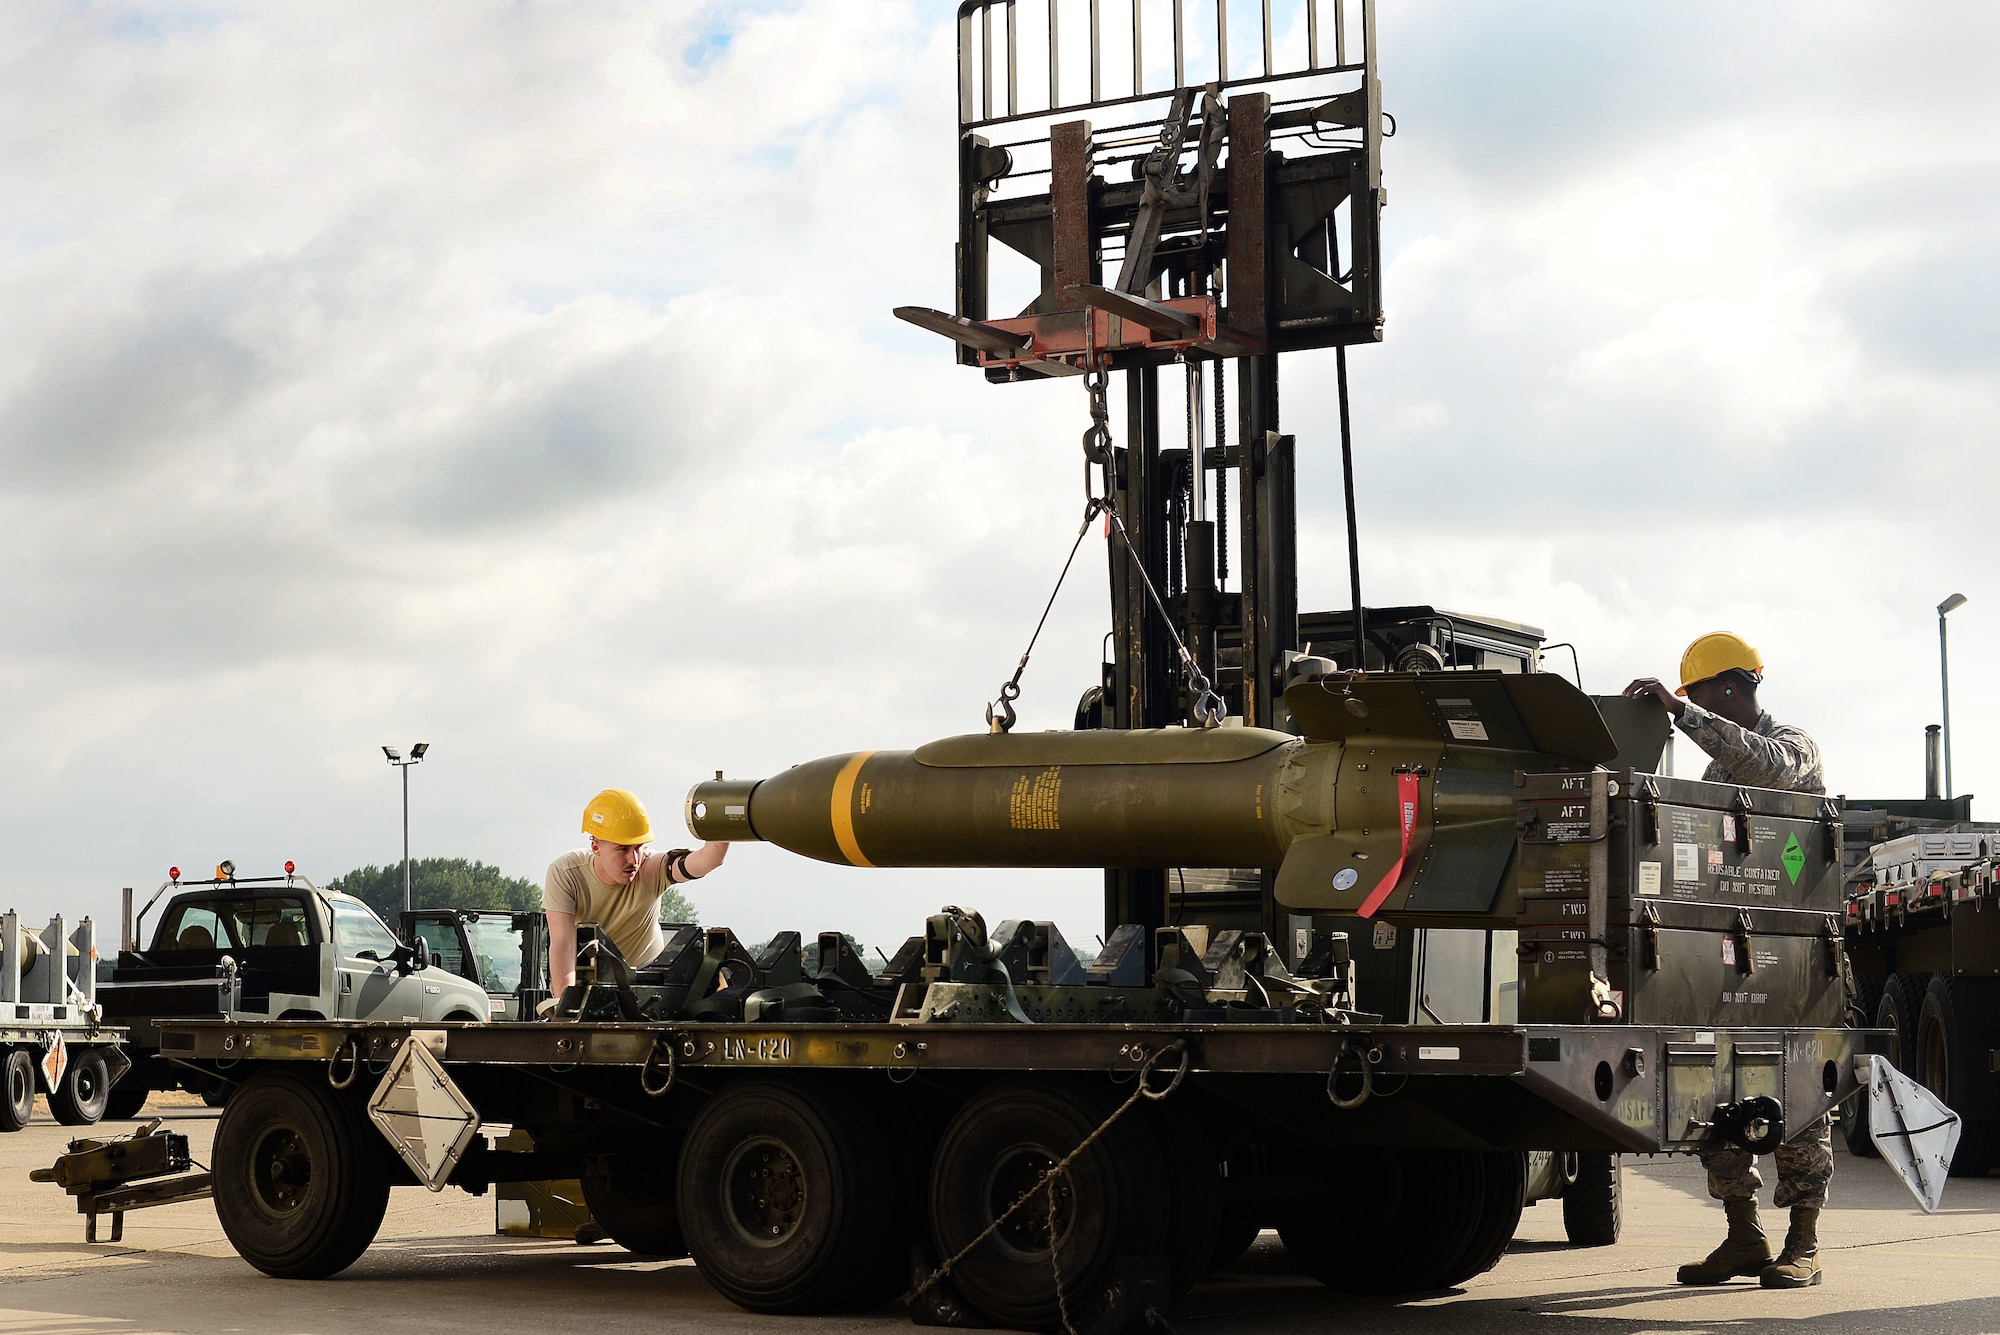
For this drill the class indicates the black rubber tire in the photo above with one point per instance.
(126, 1100)
(636, 1204)
(1854, 1112)
(1594, 1204)
(1499, 1216)
(815, 1142)
(1236, 1233)
(79, 1097)
(998, 1145)
(1901, 1006)
(17, 1088)
(280, 1126)
(1943, 1067)
(1423, 1208)
(1867, 996)
(1194, 1201)
(217, 1095)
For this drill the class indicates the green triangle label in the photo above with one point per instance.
(1794, 857)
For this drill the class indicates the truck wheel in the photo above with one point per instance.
(785, 1196)
(300, 1179)
(636, 1203)
(1195, 1204)
(1854, 1113)
(127, 1097)
(1943, 1067)
(1594, 1204)
(1424, 1209)
(80, 1096)
(1241, 1222)
(1111, 1202)
(1500, 1215)
(17, 1088)
(1901, 1005)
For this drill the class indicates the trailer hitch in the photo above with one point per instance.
(1755, 1124)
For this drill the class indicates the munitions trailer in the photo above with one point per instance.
(823, 1139)
(51, 1037)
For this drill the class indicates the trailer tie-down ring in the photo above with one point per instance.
(1348, 1045)
(664, 1043)
(353, 1050)
(1180, 1071)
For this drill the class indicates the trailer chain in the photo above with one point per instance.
(353, 1066)
(663, 1043)
(1046, 1187)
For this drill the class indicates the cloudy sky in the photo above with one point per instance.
(520, 378)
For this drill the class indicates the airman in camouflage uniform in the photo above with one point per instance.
(1747, 747)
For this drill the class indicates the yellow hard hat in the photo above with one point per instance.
(617, 816)
(1715, 653)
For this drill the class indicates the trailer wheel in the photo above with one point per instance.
(1240, 1222)
(1111, 1202)
(1423, 1210)
(1901, 1005)
(300, 1179)
(1594, 1204)
(1944, 1068)
(1499, 1215)
(17, 1088)
(1854, 1113)
(126, 1099)
(785, 1197)
(79, 1097)
(1194, 1196)
(636, 1205)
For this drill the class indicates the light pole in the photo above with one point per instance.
(403, 763)
(1956, 601)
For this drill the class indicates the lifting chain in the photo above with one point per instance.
(1046, 1187)
(1207, 708)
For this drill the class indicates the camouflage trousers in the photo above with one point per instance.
(1805, 1164)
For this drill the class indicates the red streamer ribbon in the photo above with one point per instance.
(1406, 804)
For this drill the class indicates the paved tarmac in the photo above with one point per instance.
(438, 1266)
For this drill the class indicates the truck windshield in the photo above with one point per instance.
(497, 947)
(232, 924)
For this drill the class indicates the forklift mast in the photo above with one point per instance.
(1194, 193)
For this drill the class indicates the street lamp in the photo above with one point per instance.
(403, 763)
(1953, 603)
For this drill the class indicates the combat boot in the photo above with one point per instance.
(1797, 1266)
(1746, 1251)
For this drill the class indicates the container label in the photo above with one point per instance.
(1794, 858)
(1649, 878)
(1467, 729)
(1687, 862)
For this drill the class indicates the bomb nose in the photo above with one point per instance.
(718, 810)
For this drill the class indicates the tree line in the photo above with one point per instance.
(461, 883)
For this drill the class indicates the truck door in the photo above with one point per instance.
(370, 987)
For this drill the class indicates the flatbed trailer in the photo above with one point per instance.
(52, 1035)
(878, 1149)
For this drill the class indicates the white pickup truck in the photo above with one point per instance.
(265, 947)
